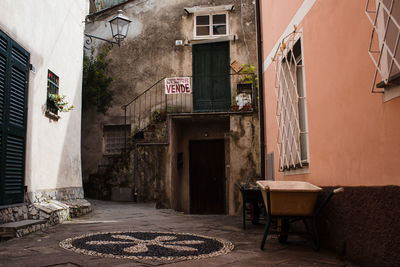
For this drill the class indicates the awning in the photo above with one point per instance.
(208, 9)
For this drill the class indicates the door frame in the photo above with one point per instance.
(190, 173)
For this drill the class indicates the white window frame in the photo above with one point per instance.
(384, 58)
(292, 140)
(211, 35)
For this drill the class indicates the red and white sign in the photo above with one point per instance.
(177, 85)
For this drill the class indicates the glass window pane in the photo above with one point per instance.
(219, 30)
(219, 19)
(203, 30)
(203, 20)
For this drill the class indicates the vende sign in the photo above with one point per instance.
(177, 85)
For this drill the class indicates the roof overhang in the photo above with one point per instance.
(208, 9)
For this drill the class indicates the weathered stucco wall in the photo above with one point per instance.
(149, 53)
(52, 32)
(244, 156)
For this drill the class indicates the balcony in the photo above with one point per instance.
(190, 95)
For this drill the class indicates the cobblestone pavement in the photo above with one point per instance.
(42, 248)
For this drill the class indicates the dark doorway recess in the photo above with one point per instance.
(207, 177)
(211, 78)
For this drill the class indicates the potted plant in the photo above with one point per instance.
(246, 82)
(59, 103)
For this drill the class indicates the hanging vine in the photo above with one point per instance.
(96, 81)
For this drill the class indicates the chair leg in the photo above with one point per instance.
(266, 231)
(316, 235)
(244, 214)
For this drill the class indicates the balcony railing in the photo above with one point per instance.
(154, 102)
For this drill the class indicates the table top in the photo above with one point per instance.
(288, 186)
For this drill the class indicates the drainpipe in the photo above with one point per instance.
(260, 88)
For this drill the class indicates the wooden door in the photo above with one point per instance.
(211, 79)
(14, 69)
(207, 177)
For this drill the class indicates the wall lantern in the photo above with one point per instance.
(119, 30)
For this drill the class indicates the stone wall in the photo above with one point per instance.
(60, 194)
(362, 224)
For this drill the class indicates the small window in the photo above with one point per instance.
(384, 48)
(52, 89)
(114, 138)
(211, 25)
(291, 107)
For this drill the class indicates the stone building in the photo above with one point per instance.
(185, 148)
(40, 161)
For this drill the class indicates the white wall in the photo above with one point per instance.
(52, 32)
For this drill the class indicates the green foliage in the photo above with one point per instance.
(59, 102)
(250, 72)
(96, 82)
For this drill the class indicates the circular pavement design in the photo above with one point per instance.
(148, 245)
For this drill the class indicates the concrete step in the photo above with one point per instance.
(20, 228)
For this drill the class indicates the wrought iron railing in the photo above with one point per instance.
(153, 103)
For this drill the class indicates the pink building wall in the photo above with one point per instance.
(354, 137)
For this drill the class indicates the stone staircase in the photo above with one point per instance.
(21, 228)
(22, 219)
(115, 177)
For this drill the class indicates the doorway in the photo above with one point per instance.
(207, 177)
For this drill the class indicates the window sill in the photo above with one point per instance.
(51, 115)
(393, 81)
(213, 39)
(304, 170)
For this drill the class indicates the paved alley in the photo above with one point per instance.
(42, 248)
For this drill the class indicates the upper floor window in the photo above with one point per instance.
(384, 47)
(210, 25)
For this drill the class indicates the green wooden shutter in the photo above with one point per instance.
(211, 79)
(14, 70)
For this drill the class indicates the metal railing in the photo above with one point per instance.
(153, 103)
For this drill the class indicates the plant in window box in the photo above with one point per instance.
(59, 102)
(234, 105)
(247, 80)
(247, 107)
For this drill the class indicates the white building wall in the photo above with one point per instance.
(52, 32)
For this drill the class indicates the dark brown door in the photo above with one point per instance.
(207, 177)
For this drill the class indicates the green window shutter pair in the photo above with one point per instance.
(14, 70)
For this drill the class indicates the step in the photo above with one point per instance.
(20, 228)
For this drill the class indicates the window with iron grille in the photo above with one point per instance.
(291, 106)
(114, 138)
(210, 25)
(52, 89)
(384, 48)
